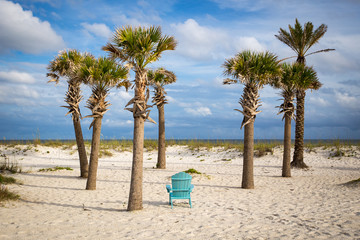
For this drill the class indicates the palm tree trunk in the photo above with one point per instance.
(84, 166)
(248, 168)
(94, 155)
(298, 158)
(161, 162)
(135, 196)
(286, 171)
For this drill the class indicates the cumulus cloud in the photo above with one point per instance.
(206, 43)
(200, 111)
(318, 101)
(97, 29)
(345, 100)
(16, 77)
(117, 123)
(120, 97)
(248, 43)
(20, 95)
(20, 30)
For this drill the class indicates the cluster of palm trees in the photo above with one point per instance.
(136, 48)
(255, 70)
(131, 49)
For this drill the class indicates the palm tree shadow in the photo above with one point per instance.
(85, 208)
(58, 188)
(54, 176)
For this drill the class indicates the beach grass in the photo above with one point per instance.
(261, 147)
(5, 194)
(9, 165)
(57, 168)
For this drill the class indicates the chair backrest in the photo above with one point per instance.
(181, 183)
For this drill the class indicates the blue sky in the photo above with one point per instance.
(33, 31)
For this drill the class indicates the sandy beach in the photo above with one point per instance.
(312, 204)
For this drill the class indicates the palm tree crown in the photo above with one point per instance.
(139, 46)
(295, 77)
(101, 74)
(251, 68)
(254, 70)
(301, 39)
(63, 64)
(158, 79)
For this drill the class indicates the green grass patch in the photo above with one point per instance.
(57, 168)
(6, 195)
(192, 171)
(105, 152)
(7, 180)
(226, 160)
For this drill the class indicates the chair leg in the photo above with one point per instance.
(190, 202)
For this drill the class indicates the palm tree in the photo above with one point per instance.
(254, 70)
(294, 77)
(62, 66)
(138, 47)
(101, 74)
(158, 79)
(301, 39)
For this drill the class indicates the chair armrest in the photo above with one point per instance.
(168, 188)
(191, 187)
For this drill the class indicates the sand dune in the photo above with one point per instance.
(313, 204)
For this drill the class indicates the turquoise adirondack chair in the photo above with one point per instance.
(181, 187)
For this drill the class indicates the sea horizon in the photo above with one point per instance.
(181, 140)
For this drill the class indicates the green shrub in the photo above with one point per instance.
(57, 168)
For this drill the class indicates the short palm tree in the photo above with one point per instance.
(158, 79)
(301, 39)
(101, 74)
(63, 66)
(294, 77)
(254, 70)
(138, 47)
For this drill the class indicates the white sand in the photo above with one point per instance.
(313, 204)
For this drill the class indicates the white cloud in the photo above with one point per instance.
(20, 95)
(248, 43)
(345, 100)
(206, 43)
(117, 123)
(120, 97)
(97, 29)
(199, 42)
(200, 111)
(318, 101)
(16, 77)
(20, 30)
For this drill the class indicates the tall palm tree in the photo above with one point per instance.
(294, 77)
(138, 47)
(158, 79)
(254, 70)
(63, 66)
(301, 39)
(101, 74)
